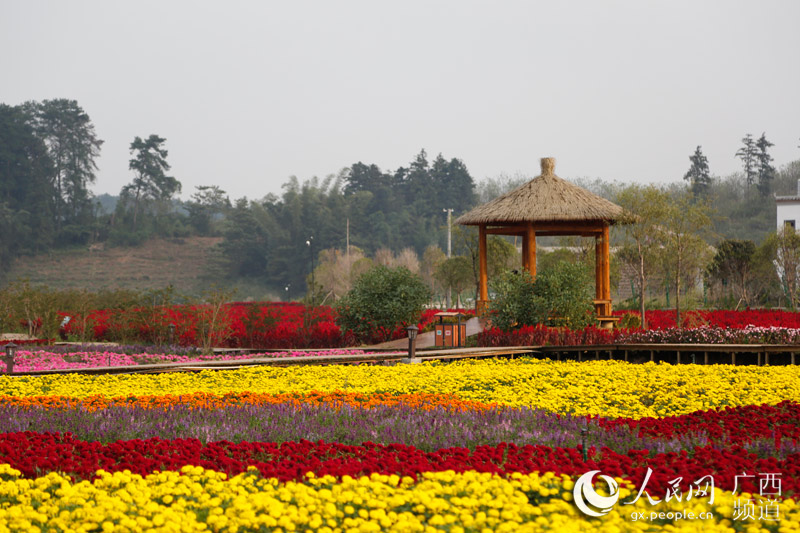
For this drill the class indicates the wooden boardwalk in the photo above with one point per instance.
(748, 354)
(734, 354)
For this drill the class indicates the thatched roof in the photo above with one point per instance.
(546, 198)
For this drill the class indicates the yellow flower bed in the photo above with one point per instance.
(609, 388)
(200, 500)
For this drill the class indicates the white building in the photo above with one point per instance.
(789, 210)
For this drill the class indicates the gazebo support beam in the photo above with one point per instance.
(607, 266)
(602, 270)
(482, 304)
(529, 249)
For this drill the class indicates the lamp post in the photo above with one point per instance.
(449, 252)
(584, 431)
(412, 343)
(288, 295)
(310, 243)
(11, 352)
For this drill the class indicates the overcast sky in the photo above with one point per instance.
(250, 93)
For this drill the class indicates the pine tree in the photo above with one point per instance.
(698, 174)
(747, 154)
(766, 172)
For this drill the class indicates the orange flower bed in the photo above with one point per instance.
(204, 400)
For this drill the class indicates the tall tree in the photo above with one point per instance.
(646, 209)
(747, 154)
(25, 190)
(453, 183)
(150, 182)
(784, 246)
(501, 255)
(73, 146)
(204, 205)
(685, 251)
(455, 273)
(733, 263)
(698, 174)
(764, 169)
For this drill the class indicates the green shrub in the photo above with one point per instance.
(559, 296)
(382, 300)
(630, 321)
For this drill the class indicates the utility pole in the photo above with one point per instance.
(449, 252)
(310, 243)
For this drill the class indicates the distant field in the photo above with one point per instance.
(155, 264)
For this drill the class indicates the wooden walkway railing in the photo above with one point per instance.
(747, 354)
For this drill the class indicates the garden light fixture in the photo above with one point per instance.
(11, 352)
(412, 342)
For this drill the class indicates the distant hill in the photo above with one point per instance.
(155, 264)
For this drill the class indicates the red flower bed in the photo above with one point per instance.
(265, 325)
(661, 319)
(542, 336)
(726, 427)
(35, 454)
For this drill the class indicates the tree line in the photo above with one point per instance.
(363, 215)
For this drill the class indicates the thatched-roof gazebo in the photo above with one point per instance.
(548, 205)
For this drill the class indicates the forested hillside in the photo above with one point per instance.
(47, 169)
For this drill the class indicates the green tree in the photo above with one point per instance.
(208, 202)
(381, 300)
(73, 146)
(645, 211)
(784, 249)
(501, 255)
(698, 174)
(431, 259)
(26, 194)
(747, 154)
(560, 297)
(764, 168)
(455, 273)
(733, 265)
(150, 182)
(685, 252)
(244, 249)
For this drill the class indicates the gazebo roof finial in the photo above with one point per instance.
(548, 166)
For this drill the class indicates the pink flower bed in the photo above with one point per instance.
(30, 361)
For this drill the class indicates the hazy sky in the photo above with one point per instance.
(250, 93)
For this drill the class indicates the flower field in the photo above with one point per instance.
(488, 445)
(698, 327)
(275, 325)
(43, 359)
(266, 325)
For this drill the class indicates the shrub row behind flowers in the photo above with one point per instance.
(36, 454)
(195, 499)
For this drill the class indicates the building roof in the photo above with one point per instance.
(546, 198)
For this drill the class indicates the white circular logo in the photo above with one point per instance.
(584, 493)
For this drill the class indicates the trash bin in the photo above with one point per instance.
(449, 333)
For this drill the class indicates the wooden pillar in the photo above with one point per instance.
(598, 268)
(606, 266)
(530, 252)
(525, 252)
(483, 280)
